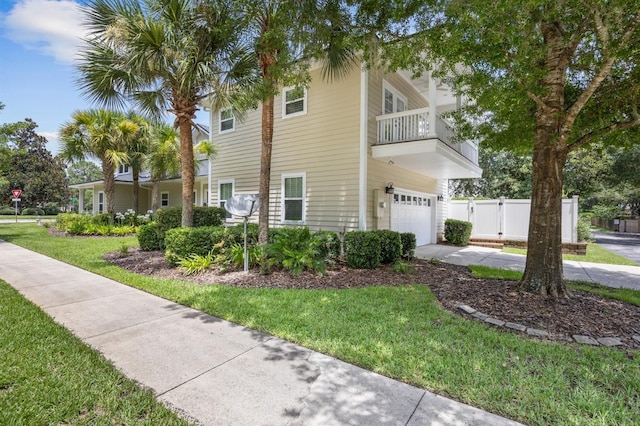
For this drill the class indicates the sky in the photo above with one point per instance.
(39, 41)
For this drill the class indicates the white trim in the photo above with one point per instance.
(233, 118)
(101, 203)
(303, 175)
(396, 95)
(233, 191)
(364, 146)
(284, 102)
(161, 201)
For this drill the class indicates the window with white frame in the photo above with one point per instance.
(225, 192)
(164, 199)
(392, 99)
(227, 121)
(293, 198)
(123, 168)
(294, 101)
(100, 202)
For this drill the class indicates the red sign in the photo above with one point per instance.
(16, 193)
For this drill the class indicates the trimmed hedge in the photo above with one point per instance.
(181, 243)
(328, 244)
(150, 237)
(31, 211)
(171, 217)
(362, 249)
(390, 246)
(408, 245)
(457, 232)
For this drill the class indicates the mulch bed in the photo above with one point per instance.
(582, 314)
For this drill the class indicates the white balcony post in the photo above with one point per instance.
(433, 99)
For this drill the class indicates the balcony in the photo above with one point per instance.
(408, 139)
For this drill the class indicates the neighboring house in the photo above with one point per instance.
(170, 190)
(338, 149)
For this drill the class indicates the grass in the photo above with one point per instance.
(595, 254)
(623, 294)
(48, 376)
(402, 333)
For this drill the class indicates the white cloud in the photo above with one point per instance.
(53, 27)
(53, 141)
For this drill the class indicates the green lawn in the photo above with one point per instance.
(595, 254)
(48, 376)
(402, 333)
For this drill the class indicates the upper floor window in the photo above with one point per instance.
(225, 192)
(294, 101)
(227, 121)
(393, 100)
(123, 168)
(293, 198)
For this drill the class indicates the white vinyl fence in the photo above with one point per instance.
(509, 219)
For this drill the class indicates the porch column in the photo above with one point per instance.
(81, 200)
(433, 99)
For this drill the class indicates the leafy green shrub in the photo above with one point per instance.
(328, 244)
(32, 211)
(235, 234)
(103, 219)
(181, 243)
(235, 255)
(8, 211)
(584, 229)
(606, 212)
(295, 250)
(72, 223)
(196, 263)
(457, 232)
(51, 208)
(390, 246)
(362, 249)
(150, 237)
(408, 245)
(171, 217)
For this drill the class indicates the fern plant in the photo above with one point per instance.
(295, 250)
(195, 263)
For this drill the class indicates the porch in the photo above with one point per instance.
(422, 141)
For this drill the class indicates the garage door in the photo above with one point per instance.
(411, 212)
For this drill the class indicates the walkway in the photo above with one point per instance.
(217, 372)
(609, 275)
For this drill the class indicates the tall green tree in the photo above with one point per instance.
(162, 56)
(99, 134)
(137, 146)
(553, 76)
(81, 172)
(31, 167)
(163, 159)
(286, 35)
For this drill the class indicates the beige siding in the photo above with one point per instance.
(323, 144)
(379, 174)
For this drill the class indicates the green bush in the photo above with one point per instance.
(390, 246)
(180, 243)
(457, 232)
(295, 250)
(171, 217)
(72, 223)
(584, 228)
(328, 244)
(103, 219)
(8, 211)
(606, 212)
(31, 211)
(408, 245)
(362, 249)
(150, 237)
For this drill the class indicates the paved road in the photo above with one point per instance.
(627, 245)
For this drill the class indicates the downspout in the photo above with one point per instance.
(364, 149)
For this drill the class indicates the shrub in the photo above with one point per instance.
(181, 243)
(390, 246)
(31, 211)
(171, 217)
(195, 263)
(235, 255)
(584, 228)
(295, 250)
(150, 237)
(51, 208)
(72, 223)
(408, 245)
(328, 244)
(8, 211)
(606, 212)
(362, 249)
(457, 232)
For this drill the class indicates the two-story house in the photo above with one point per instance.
(369, 151)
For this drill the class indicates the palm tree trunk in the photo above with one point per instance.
(108, 171)
(187, 168)
(265, 170)
(136, 190)
(154, 196)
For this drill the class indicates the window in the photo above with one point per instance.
(227, 121)
(293, 198)
(123, 168)
(225, 192)
(195, 198)
(393, 100)
(100, 202)
(294, 101)
(164, 199)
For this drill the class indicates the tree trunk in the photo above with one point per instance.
(136, 190)
(543, 272)
(154, 196)
(265, 170)
(109, 184)
(187, 168)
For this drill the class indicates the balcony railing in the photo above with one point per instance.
(414, 125)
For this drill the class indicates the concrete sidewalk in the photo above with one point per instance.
(609, 275)
(217, 372)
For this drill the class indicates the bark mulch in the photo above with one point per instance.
(582, 314)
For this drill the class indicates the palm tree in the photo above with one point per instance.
(287, 35)
(137, 147)
(99, 134)
(162, 55)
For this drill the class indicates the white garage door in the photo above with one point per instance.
(411, 212)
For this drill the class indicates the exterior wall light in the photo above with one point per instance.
(389, 189)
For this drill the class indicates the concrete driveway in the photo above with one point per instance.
(627, 245)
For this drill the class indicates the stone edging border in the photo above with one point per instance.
(586, 340)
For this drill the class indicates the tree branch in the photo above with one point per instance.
(603, 131)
